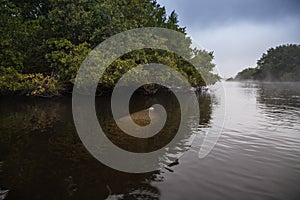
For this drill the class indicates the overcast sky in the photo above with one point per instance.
(238, 31)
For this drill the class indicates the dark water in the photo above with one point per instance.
(257, 155)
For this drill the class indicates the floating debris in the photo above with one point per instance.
(169, 169)
(176, 162)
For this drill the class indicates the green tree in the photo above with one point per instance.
(52, 37)
(246, 74)
(278, 64)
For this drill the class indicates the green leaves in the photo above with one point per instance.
(45, 41)
(65, 58)
(246, 74)
(278, 64)
(12, 82)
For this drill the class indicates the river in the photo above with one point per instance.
(257, 155)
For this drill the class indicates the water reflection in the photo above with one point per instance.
(42, 157)
(280, 102)
(280, 95)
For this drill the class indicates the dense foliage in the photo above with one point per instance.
(278, 64)
(43, 42)
(246, 74)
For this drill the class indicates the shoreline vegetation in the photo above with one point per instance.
(43, 43)
(279, 64)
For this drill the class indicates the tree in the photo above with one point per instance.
(246, 74)
(52, 38)
(278, 64)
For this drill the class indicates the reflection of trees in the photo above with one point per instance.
(139, 102)
(44, 158)
(205, 106)
(279, 95)
(280, 101)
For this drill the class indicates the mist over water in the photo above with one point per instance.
(257, 155)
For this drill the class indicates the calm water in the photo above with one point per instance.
(257, 155)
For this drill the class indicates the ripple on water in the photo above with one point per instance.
(3, 194)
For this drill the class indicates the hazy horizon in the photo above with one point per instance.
(238, 32)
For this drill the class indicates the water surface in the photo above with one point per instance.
(257, 155)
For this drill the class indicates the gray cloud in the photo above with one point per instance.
(238, 31)
(209, 13)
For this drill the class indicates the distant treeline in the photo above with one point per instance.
(278, 64)
(43, 43)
